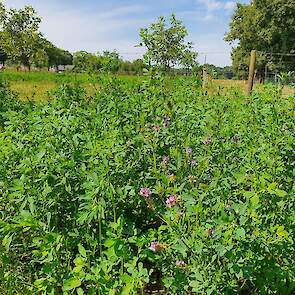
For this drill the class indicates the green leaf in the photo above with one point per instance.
(240, 233)
(280, 193)
(7, 241)
(181, 248)
(248, 194)
(80, 291)
(220, 250)
(82, 251)
(254, 201)
(71, 284)
(281, 231)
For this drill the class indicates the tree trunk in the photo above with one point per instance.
(26, 63)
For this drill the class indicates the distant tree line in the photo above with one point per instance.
(219, 72)
(23, 45)
(107, 61)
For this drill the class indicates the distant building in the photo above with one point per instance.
(61, 68)
(64, 68)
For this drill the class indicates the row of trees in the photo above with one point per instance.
(22, 44)
(265, 25)
(108, 61)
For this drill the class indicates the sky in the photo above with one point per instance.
(96, 25)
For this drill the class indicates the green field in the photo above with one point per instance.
(36, 85)
(128, 185)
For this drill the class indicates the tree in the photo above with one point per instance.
(19, 34)
(40, 59)
(166, 46)
(217, 72)
(138, 66)
(57, 56)
(108, 61)
(86, 62)
(111, 61)
(189, 61)
(267, 26)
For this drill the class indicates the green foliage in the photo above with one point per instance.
(57, 56)
(19, 34)
(23, 44)
(166, 46)
(267, 26)
(107, 62)
(219, 72)
(86, 62)
(110, 61)
(73, 215)
(287, 78)
(40, 59)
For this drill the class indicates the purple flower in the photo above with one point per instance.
(157, 128)
(235, 139)
(145, 192)
(180, 263)
(207, 141)
(156, 246)
(189, 151)
(171, 201)
(166, 122)
(193, 163)
(165, 161)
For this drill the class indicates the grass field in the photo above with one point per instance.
(35, 85)
(149, 184)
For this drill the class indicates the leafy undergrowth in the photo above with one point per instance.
(144, 187)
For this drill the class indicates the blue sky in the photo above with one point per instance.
(113, 24)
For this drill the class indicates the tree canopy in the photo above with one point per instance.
(267, 26)
(23, 44)
(166, 45)
(19, 34)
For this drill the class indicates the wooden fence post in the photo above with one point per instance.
(251, 72)
(205, 77)
(205, 74)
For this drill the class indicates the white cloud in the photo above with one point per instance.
(79, 28)
(213, 48)
(212, 5)
(230, 5)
